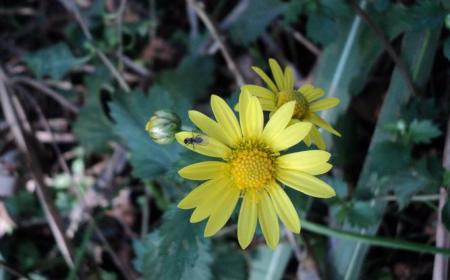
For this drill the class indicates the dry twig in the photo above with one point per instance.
(232, 66)
(50, 211)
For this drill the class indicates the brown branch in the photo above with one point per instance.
(232, 66)
(387, 45)
(302, 40)
(53, 218)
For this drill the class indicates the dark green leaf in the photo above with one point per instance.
(130, 113)
(388, 157)
(321, 29)
(54, 61)
(426, 14)
(177, 251)
(93, 128)
(257, 16)
(362, 214)
(423, 131)
(229, 263)
(406, 184)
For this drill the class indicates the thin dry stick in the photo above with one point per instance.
(77, 192)
(72, 7)
(440, 269)
(302, 40)
(232, 66)
(52, 215)
(47, 91)
(387, 45)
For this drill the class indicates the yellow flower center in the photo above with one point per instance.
(252, 165)
(301, 104)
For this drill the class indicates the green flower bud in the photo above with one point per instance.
(162, 126)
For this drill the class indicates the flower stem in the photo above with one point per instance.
(374, 240)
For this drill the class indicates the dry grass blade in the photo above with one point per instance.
(51, 214)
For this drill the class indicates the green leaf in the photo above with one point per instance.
(388, 157)
(269, 264)
(54, 61)
(445, 212)
(177, 251)
(447, 47)
(229, 263)
(93, 128)
(426, 14)
(257, 16)
(130, 113)
(423, 131)
(321, 29)
(361, 214)
(406, 184)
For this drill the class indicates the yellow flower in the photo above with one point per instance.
(281, 90)
(248, 166)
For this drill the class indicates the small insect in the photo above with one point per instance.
(194, 140)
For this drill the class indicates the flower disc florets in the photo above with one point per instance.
(252, 165)
(301, 104)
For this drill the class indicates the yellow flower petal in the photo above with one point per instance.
(289, 78)
(311, 162)
(303, 160)
(197, 195)
(277, 73)
(268, 220)
(310, 92)
(251, 115)
(307, 139)
(209, 201)
(204, 170)
(265, 78)
(259, 91)
(323, 104)
(290, 136)
(284, 208)
(223, 211)
(305, 183)
(315, 119)
(317, 138)
(226, 118)
(278, 121)
(209, 146)
(210, 127)
(267, 105)
(247, 219)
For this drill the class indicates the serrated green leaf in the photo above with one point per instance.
(93, 128)
(406, 184)
(258, 15)
(177, 251)
(423, 131)
(229, 263)
(54, 61)
(388, 157)
(130, 113)
(269, 264)
(362, 214)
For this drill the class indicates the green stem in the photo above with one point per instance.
(373, 240)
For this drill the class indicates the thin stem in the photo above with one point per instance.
(215, 34)
(303, 40)
(373, 240)
(71, 6)
(387, 45)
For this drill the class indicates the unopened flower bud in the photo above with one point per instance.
(162, 126)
